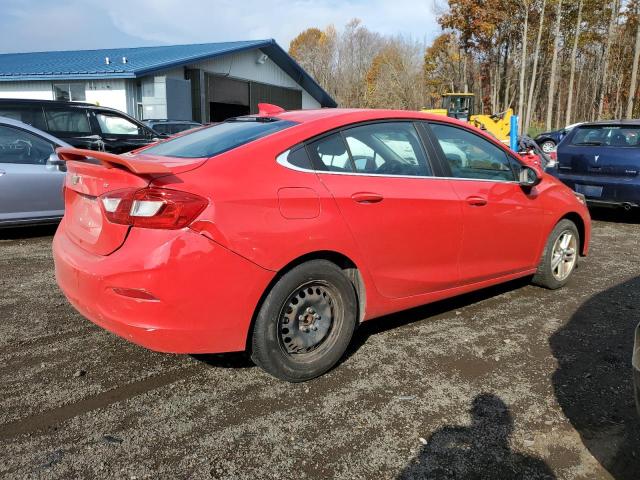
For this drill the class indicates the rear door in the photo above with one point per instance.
(119, 133)
(73, 125)
(406, 222)
(502, 222)
(29, 188)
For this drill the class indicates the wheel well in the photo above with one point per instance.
(577, 219)
(345, 263)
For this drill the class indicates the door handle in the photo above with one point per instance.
(367, 197)
(2, 172)
(476, 201)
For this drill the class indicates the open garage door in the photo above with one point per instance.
(216, 98)
(287, 98)
(227, 97)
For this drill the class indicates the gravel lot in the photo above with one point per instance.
(510, 382)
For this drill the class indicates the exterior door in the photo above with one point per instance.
(502, 221)
(29, 188)
(406, 222)
(120, 134)
(72, 124)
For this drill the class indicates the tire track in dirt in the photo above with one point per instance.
(49, 418)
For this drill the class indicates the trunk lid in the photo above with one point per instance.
(600, 161)
(92, 174)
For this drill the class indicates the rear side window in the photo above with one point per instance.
(218, 138)
(67, 120)
(31, 115)
(607, 135)
(298, 158)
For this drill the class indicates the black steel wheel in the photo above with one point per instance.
(306, 322)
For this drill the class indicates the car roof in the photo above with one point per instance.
(359, 114)
(630, 122)
(164, 120)
(25, 126)
(45, 102)
(59, 103)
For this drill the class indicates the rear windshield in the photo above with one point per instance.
(607, 135)
(218, 138)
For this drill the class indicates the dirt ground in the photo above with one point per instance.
(509, 382)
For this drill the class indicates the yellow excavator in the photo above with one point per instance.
(460, 106)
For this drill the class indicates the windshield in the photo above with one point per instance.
(607, 135)
(216, 139)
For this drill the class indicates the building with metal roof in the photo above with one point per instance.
(203, 82)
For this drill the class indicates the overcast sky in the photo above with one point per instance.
(42, 25)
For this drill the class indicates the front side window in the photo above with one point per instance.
(607, 135)
(470, 156)
(72, 120)
(69, 92)
(19, 146)
(219, 138)
(391, 148)
(112, 124)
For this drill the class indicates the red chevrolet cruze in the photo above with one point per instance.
(279, 233)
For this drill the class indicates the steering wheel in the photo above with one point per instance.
(19, 144)
(392, 167)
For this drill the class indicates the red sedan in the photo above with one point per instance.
(279, 233)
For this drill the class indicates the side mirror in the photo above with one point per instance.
(529, 177)
(54, 161)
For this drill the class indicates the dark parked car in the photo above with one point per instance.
(31, 175)
(171, 127)
(83, 125)
(549, 140)
(601, 160)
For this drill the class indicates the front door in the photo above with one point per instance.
(29, 188)
(406, 222)
(120, 134)
(502, 221)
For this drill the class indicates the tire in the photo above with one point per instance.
(548, 146)
(305, 323)
(558, 262)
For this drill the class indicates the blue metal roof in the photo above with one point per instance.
(91, 64)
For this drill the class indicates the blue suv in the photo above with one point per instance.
(601, 160)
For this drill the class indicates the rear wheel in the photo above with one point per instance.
(306, 322)
(547, 146)
(560, 256)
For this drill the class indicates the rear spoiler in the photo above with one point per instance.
(110, 160)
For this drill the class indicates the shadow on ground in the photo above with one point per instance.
(615, 215)
(430, 310)
(478, 451)
(593, 381)
(19, 233)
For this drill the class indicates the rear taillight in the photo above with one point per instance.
(152, 207)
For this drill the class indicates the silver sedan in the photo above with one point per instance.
(31, 175)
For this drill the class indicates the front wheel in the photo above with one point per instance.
(547, 146)
(560, 256)
(305, 323)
